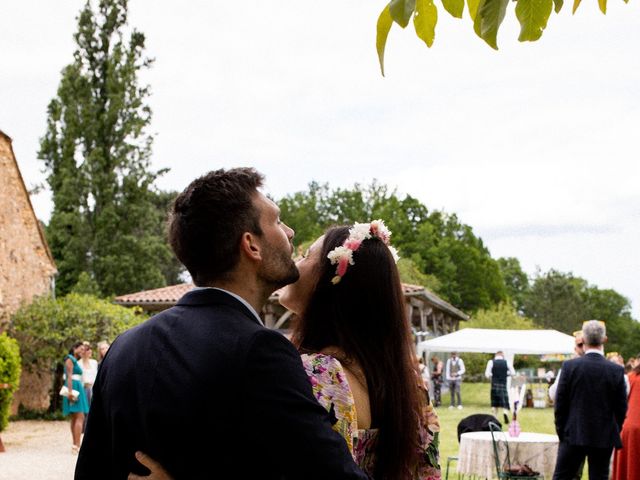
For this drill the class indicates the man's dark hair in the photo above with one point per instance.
(208, 218)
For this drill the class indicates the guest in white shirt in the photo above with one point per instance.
(579, 350)
(89, 371)
(453, 371)
(498, 369)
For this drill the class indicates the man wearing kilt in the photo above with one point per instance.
(498, 369)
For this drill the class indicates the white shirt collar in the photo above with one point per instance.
(594, 350)
(237, 297)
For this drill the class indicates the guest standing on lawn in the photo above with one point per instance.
(89, 367)
(498, 369)
(436, 379)
(454, 370)
(75, 405)
(591, 403)
(626, 464)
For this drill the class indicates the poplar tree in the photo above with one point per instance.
(96, 152)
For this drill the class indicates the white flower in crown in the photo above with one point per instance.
(360, 231)
(380, 230)
(343, 255)
(340, 253)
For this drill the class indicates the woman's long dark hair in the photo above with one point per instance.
(73, 348)
(365, 316)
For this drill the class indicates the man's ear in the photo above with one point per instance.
(250, 247)
(605, 340)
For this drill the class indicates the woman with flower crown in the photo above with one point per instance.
(355, 342)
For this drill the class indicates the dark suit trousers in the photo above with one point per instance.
(571, 458)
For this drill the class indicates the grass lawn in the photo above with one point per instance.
(476, 399)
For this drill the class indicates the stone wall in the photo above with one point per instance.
(26, 266)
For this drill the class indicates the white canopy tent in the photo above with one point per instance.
(511, 342)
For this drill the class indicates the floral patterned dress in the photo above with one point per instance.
(331, 389)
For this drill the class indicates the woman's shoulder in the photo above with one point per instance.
(321, 365)
(327, 376)
(331, 389)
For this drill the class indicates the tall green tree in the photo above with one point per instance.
(623, 331)
(304, 212)
(457, 264)
(555, 301)
(97, 155)
(515, 279)
(172, 270)
(561, 301)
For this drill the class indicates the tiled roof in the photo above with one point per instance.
(163, 296)
(168, 296)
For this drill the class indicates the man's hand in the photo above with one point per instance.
(157, 472)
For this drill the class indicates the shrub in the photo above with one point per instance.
(475, 364)
(9, 375)
(46, 328)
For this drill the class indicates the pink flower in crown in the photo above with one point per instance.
(343, 255)
(380, 230)
(343, 263)
(352, 244)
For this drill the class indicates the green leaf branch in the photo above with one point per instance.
(487, 16)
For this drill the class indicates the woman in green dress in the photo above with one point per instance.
(75, 405)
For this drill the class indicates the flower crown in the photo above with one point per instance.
(343, 255)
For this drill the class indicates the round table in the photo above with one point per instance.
(476, 457)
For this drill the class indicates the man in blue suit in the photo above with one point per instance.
(203, 387)
(590, 406)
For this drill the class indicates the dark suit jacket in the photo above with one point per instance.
(591, 402)
(210, 393)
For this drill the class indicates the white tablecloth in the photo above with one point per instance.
(476, 457)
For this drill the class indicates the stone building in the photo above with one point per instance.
(27, 268)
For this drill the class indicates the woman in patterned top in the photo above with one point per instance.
(354, 337)
(356, 345)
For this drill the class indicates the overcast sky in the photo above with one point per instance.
(535, 146)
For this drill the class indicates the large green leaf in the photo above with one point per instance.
(576, 4)
(401, 11)
(558, 5)
(382, 32)
(488, 19)
(454, 7)
(603, 6)
(533, 16)
(473, 5)
(425, 20)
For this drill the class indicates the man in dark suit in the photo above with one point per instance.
(590, 406)
(204, 388)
